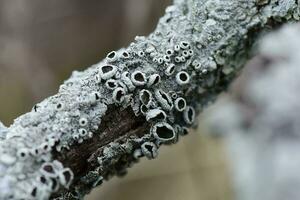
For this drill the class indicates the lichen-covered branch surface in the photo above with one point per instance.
(102, 120)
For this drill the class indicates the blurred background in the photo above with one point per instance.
(42, 42)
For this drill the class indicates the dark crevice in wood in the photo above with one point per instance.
(117, 124)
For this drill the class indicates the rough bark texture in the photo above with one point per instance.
(106, 117)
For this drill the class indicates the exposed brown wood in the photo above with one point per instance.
(116, 124)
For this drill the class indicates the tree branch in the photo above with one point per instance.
(106, 117)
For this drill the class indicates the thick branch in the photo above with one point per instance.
(103, 119)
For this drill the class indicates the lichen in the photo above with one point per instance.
(184, 58)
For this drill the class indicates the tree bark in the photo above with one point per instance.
(103, 119)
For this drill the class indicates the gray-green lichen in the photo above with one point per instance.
(167, 77)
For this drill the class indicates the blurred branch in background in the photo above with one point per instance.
(261, 121)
